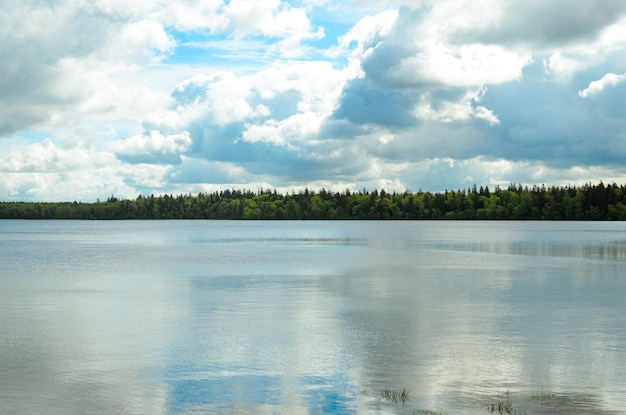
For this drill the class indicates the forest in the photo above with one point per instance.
(588, 202)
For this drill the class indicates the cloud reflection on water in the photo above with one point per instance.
(265, 326)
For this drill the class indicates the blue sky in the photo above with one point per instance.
(103, 97)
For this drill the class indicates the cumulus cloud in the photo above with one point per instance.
(45, 171)
(187, 15)
(51, 54)
(462, 110)
(222, 96)
(595, 87)
(606, 48)
(367, 34)
(411, 98)
(271, 18)
(154, 147)
(297, 127)
(282, 106)
(407, 48)
(160, 97)
(45, 157)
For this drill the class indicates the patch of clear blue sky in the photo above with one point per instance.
(203, 47)
(217, 51)
(193, 47)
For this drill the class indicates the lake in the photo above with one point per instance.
(236, 317)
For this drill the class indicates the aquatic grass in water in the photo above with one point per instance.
(390, 395)
(400, 396)
(543, 396)
(503, 406)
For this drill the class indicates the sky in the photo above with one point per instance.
(112, 97)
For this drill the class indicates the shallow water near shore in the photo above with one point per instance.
(182, 317)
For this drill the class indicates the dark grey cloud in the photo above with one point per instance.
(388, 53)
(220, 143)
(548, 23)
(312, 163)
(364, 103)
(438, 140)
(540, 120)
(549, 121)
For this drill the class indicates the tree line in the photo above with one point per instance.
(517, 202)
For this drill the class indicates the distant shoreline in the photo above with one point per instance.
(589, 202)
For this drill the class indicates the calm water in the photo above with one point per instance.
(203, 317)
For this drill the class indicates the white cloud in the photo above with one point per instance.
(320, 84)
(409, 56)
(55, 60)
(412, 48)
(366, 34)
(464, 109)
(465, 65)
(475, 43)
(121, 9)
(72, 57)
(287, 132)
(270, 18)
(595, 87)
(247, 16)
(193, 15)
(225, 98)
(46, 172)
(45, 156)
(560, 65)
(612, 38)
(154, 143)
(144, 40)
(570, 59)
(85, 186)
(398, 101)
(454, 111)
(446, 18)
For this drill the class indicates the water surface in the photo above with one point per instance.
(181, 317)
